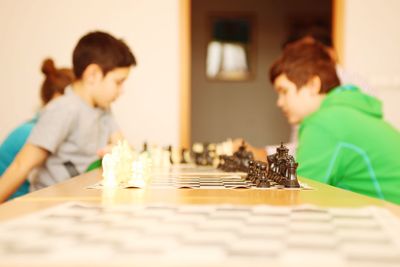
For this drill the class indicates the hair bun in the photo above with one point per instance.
(48, 66)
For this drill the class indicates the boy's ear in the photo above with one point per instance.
(92, 73)
(314, 85)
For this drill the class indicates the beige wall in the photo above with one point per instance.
(33, 29)
(243, 109)
(371, 47)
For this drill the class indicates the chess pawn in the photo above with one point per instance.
(211, 154)
(221, 162)
(176, 155)
(183, 159)
(247, 157)
(235, 165)
(109, 173)
(166, 159)
(171, 161)
(187, 155)
(257, 171)
(197, 150)
(271, 160)
(263, 170)
(227, 163)
(263, 181)
(250, 171)
(145, 147)
(227, 147)
(240, 152)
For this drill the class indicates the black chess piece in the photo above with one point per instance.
(239, 161)
(262, 179)
(209, 155)
(244, 157)
(263, 182)
(183, 159)
(250, 171)
(170, 154)
(257, 169)
(291, 175)
(145, 148)
(280, 168)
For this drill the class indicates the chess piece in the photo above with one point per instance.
(170, 154)
(250, 172)
(291, 176)
(183, 156)
(279, 168)
(239, 161)
(263, 181)
(204, 154)
(145, 148)
(257, 169)
(244, 157)
(210, 154)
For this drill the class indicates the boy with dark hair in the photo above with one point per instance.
(343, 140)
(73, 128)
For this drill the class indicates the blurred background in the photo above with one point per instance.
(202, 71)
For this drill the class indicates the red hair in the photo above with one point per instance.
(56, 80)
(302, 61)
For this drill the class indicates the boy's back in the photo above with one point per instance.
(72, 132)
(346, 143)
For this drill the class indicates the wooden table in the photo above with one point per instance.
(75, 189)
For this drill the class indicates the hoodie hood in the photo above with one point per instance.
(350, 96)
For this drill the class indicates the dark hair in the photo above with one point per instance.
(56, 80)
(318, 33)
(302, 61)
(102, 49)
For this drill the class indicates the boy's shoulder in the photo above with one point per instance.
(67, 102)
(327, 115)
(332, 121)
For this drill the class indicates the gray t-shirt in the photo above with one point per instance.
(72, 131)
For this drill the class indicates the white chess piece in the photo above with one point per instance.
(117, 165)
(109, 178)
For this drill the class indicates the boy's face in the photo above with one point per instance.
(296, 103)
(110, 87)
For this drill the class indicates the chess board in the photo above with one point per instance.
(203, 182)
(206, 235)
(200, 177)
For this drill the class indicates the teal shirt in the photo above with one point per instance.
(10, 148)
(346, 143)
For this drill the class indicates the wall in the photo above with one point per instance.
(34, 29)
(243, 109)
(371, 45)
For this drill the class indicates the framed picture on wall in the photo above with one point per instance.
(230, 53)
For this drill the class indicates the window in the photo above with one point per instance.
(230, 48)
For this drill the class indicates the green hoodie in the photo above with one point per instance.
(347, 144)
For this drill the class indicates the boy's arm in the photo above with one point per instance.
(114, 138)
(28, 158)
